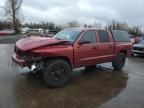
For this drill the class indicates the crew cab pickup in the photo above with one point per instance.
(71, 48)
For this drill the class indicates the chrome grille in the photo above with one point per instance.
(138, 49)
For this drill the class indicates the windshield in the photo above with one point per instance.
(67, 35)
(142, 42)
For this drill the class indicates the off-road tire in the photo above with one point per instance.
(56, 73)
(119, 62)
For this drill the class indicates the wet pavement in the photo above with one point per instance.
(9, 39)
(102, 87)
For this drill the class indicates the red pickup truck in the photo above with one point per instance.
(71, 48)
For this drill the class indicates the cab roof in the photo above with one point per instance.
(86, 29)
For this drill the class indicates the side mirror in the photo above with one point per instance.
(84, 42)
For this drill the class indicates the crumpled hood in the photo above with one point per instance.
(29, 43)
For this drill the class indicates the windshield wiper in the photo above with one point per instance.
(57, 38)
(64, 40)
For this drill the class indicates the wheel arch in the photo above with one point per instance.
(123, 51)
(60, 57)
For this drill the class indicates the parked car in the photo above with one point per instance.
(51, 33)
(141, 38)
(72, 48)
(35, 33)
(40, 31)
(138, 49)
(7, 32)
(135, 40)
(132, 39)
(24, 30)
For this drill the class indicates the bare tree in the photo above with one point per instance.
(97, 25)
(115, 25)
(73, 24)
(85, 25)
(12, 10)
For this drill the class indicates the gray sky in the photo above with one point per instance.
(84, 11)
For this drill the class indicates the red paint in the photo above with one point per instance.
(18, 59)
(29, 43)
(3, 33)
(78, 55)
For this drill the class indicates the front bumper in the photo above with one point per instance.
(138, 52)
(18, 60)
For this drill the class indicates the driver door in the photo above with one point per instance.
(84, 49)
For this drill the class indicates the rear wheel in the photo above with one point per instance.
(56, 73)
(119, 62)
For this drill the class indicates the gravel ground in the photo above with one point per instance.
(11, 39)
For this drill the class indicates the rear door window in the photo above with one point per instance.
(103, 36)
(120, 36)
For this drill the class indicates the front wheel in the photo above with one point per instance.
(119, 62)
(56, 73)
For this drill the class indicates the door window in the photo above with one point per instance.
(103, 36)
(89, 36)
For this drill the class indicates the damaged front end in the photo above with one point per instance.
(27, 59)
(29, 51)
